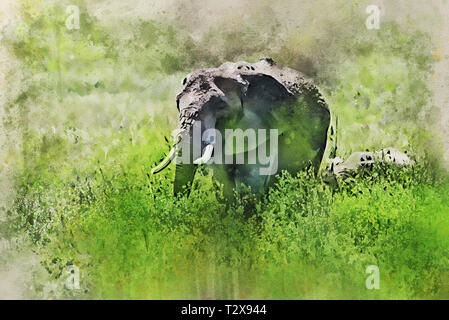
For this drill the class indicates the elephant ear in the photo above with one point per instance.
(264, 91)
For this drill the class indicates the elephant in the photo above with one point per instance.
(358, 161)
(249, 99)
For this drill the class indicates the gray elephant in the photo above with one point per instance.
(247, 122)
(358, 161)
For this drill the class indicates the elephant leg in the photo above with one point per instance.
(184, 178)
(224, 181)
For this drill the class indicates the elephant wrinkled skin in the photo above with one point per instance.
(255, 96)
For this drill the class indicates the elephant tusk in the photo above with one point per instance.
(169, 158)
(207, 154)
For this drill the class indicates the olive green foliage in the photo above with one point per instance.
(94, 111)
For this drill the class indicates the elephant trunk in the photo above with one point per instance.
(184, 171)
(200, 152)
(190, 141)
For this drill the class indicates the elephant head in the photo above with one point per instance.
(245, 96)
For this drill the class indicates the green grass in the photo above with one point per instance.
(133, 239)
